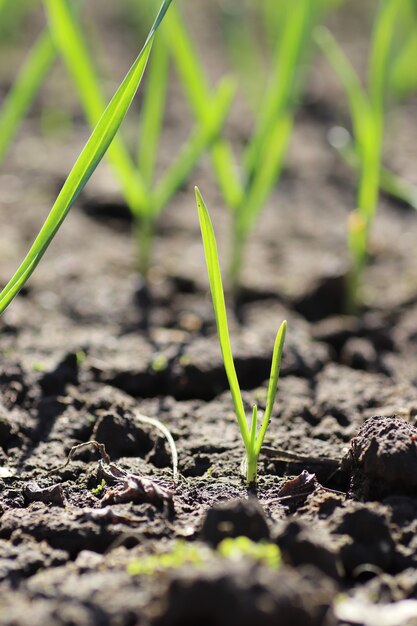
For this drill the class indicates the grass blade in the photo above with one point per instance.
(379, 57)
(71, 45)
(85, 165)
(200, 139)
(192, 75)
(389, 182)
(267, 172)
(403, 74)
(153, 110)
(358, 102)
(186, 58)
(217, 294)
(281, 92)
(273, 383)
(253, 427)
(246, 55)
(25, 89)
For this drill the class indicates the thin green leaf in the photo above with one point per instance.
(190, 70)
(70, 43)
(87, 162)
(192, 75)
(397, 187)
(199, 141)
(389, 182)
(358, 101)
(273, 15)
(379, 56)
(273, 383)
(279, 97)
(25, 88)
(253, 428)
(217, 294)
(266, 174)
(403, 73)
(153, 110)
(246, 55)
(227, 175)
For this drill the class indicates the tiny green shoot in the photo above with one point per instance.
(97, 491)
(252, 436)
(183, 553)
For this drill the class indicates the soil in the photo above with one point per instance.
(83, 355)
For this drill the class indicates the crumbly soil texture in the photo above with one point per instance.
(86, 350)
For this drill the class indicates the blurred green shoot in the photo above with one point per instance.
(246, 187)
(197, 555)
(25, 88)
(252, 436)
(85, 165)
(390, 183)
(11, 14)
(367, 107)
(145, 197)
(403, 70)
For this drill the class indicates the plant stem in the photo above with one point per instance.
(144, 233)
(252, 468)
(236, 261)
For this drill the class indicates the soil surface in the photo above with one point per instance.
(85, 352)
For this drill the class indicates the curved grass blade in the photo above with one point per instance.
(271, 161)
(85, 165)
(25, 88)
(380, 52)
(192, 75)
(358, 101)
(216, 288)
(253, 427)
(170, 440)
(153, 109)
(202, 137)
(70, 42)
(273, 383)
(279, 96)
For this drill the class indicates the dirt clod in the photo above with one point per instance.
(383, 458)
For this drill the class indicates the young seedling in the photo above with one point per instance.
(145, 197)
(367, 113)
(85, 165)
(25, 88)
(403, 70)
(246, 185)
(252, 436)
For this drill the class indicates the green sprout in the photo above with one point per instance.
(251, 436)
(145, 196)
(246, 187)
(403, 70)
(97, 491)
(184, 553)
(25, 88)
(90, 157)
(159, 363)
(367, 113)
